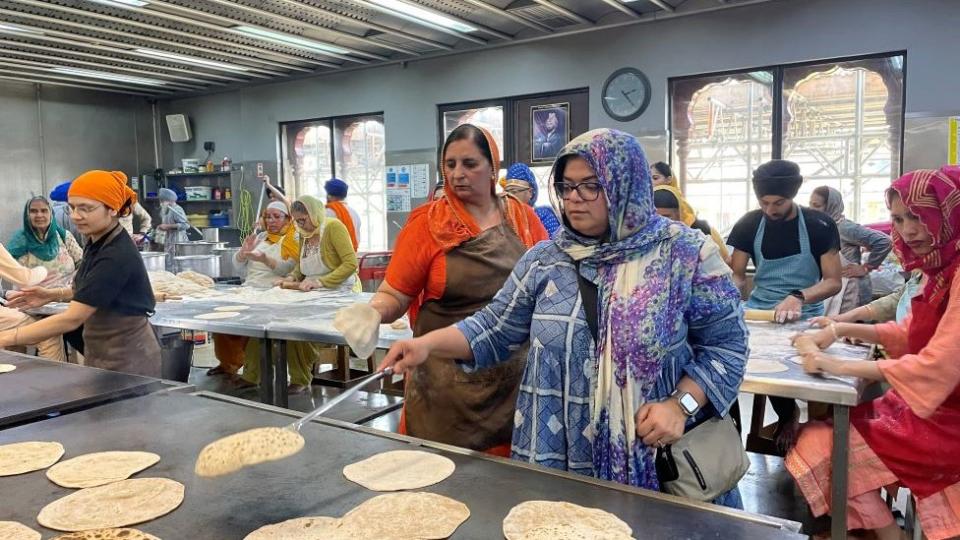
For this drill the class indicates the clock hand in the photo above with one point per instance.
(626, 95)
(634, 91)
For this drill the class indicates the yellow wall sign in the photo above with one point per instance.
(954, 147)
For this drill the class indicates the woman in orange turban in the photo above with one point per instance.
(111, 295)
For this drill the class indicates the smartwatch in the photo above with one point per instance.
(797, 293)
(688, 403)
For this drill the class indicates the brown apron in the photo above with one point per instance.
(125, 343)
(442, 402)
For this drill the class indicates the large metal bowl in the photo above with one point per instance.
(208, 265)
(154, 261)
(228, 267)
(184, 249)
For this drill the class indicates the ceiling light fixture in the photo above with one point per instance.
(7, 28)
(126, 4)
(404, 9)
(107, 76)
(164, 55)
(287, 40)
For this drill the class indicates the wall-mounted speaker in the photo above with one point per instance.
(179, 127)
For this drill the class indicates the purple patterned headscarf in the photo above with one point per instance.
(636, 298)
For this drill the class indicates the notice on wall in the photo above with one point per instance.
(398, 189)
(953, 154)
(420, 181)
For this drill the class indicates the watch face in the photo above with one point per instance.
(626, 94)
(689, 403)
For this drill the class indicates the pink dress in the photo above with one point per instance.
(910, 436)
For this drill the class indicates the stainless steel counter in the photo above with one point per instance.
(311, 483)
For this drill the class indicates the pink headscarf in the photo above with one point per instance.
(934, 197)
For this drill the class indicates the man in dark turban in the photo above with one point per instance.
(796, 253)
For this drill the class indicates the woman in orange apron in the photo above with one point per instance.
(111, 294)
(457, 251)
(911, 435)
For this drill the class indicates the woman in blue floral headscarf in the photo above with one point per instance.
(522, 184)
(666, 315)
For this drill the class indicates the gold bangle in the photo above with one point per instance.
(833, 330)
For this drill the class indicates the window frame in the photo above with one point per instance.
(777, 133)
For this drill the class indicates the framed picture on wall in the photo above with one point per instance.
(549, 131)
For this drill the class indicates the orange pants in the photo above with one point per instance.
(230, 351)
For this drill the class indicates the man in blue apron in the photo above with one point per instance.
(796, 252)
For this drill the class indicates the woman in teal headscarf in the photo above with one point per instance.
(43, 242)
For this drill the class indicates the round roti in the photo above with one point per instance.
(107, 534)
(11, 530)
(246, 448)
(91, 470)
(307, 528)
(528, 517)
(399, 470)
(24, 457)
(231, 308)
(7, 368)
(424, 516)
(766, 366)
(119, 504)
(569, 532)
(217, 315)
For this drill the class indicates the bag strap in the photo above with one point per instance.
(589, 293)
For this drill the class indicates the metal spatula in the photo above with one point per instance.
(335, 401)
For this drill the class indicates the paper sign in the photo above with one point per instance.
(420, 181)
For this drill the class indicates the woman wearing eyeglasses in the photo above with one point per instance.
(453, 255)
(522, 184)
(671, 342)
(111, 295)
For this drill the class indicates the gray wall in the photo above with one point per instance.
(244, 122)
(55, 133)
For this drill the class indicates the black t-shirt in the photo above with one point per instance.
(782, 238)
(111, 276)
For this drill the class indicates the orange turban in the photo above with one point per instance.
(108, 187)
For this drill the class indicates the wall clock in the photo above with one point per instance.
(626, 94)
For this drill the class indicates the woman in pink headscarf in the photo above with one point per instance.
(911, 435)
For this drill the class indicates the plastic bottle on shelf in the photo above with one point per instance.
(225, 164)
(209, 166)
(226, 194)
(216, 194)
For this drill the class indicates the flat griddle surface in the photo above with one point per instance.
(177, 426)
(40, 387)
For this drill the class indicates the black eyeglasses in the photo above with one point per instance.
(588, 191)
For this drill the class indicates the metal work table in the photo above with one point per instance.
(271, 324)
(38, 388)
(310, 483)
(770, 341)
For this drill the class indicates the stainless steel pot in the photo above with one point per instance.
(229, 268)
(208, 265)
(154, 261)
(197, 248)
(210, 234)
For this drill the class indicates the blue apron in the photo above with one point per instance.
(776, 278)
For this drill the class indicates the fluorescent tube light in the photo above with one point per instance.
(127, 4)
(17, 29)
(164, 55)
(107, 76)
(287, 40)
(418, 12)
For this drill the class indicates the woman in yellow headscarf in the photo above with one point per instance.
(326, 260)
(670, 203)
(662, 175)
(267, 256)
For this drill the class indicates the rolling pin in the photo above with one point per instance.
(805, 345)
(759, 315)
